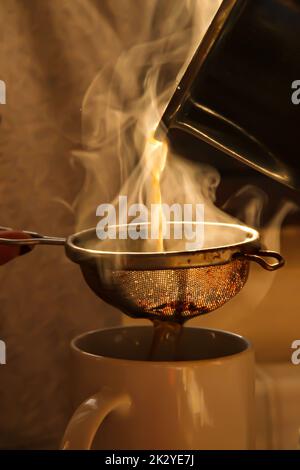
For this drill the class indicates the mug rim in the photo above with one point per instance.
(75, 348)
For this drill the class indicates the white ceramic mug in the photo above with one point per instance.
(124, 401)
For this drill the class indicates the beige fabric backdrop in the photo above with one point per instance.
(50, 50)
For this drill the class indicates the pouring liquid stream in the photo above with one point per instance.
(166, 341)
(156, 155)
(166, 334)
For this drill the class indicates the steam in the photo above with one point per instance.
(124, 104)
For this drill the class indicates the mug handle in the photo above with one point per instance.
(89, 416)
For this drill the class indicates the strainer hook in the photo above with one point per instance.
(259, 258)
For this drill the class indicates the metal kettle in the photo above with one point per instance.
(239, 93)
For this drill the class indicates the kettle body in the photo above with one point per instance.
(241, 91)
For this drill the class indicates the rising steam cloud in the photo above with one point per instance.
(126, 99)
(125, 102)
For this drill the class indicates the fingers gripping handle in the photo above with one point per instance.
(89, 416)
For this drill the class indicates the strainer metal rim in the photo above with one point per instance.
(253, 236)
(163, 260)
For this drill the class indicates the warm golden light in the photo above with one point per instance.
(156, 156)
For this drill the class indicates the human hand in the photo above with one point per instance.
(8, 252)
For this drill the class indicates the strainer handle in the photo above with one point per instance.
(36, 239)
(259, 257)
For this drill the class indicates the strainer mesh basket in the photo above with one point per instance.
(178, 294)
